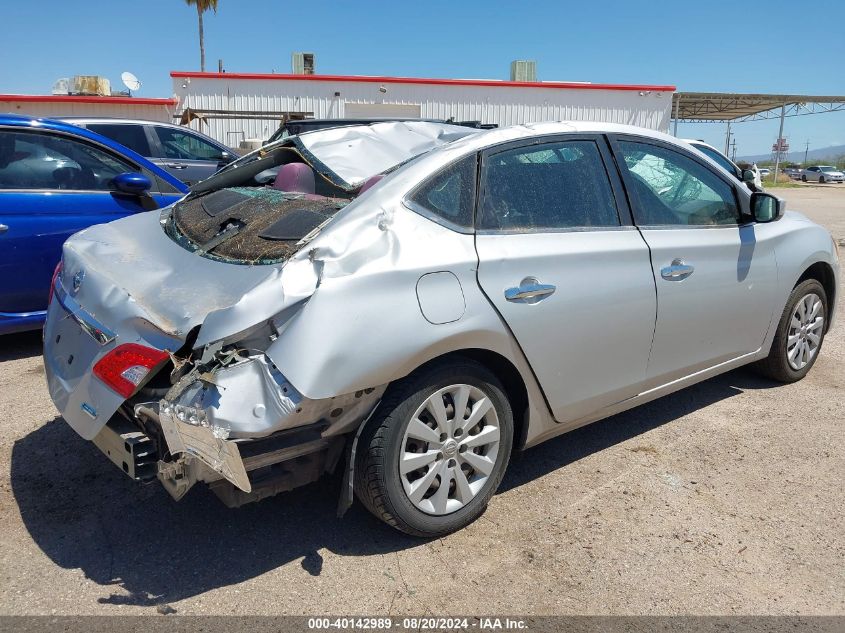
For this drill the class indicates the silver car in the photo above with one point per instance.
(410, 302)
(822, 174)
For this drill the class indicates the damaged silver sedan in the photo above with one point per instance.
(410, 302)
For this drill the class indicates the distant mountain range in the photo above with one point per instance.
(833, 152)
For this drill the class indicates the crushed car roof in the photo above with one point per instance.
(357, 152)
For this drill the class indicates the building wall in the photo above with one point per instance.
(245, 98)
(44, 107)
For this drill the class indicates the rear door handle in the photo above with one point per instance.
(3, 228)
(175, 165)
(529, 291)
(678, 270)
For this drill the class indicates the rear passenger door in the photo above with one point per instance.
(715, 273)
(569, 274)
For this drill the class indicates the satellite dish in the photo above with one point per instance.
(130, 81)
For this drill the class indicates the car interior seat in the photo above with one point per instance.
(295, 178)
(369, 182)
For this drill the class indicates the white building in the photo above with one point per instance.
(232, 107)
(89, 106)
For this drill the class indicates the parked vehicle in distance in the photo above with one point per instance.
(793, 172)
(746, 176)
(56, 179)
(411, 302)
(186, 154)
(765, 172)
(822, 174)
(294, 127)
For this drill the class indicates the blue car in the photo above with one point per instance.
(57, 179)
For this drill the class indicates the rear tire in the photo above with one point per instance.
(803, 178)
(454, 419)
(800, 334)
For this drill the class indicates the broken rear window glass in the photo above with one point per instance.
(450, 194)
(553, 186)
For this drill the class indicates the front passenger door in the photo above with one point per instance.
(715, 277)
(560, 261)
(186, 156)
(51, 186)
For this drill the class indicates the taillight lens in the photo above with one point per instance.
(123, 368)
(56, 274)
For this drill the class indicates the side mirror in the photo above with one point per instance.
(747, 175)
(224, 159)
(132, 183)
(767, 208)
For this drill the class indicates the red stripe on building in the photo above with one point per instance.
(88, 99)
(426, 82)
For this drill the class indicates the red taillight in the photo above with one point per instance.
(127, 365)
(56, 274)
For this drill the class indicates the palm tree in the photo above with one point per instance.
(202, 6)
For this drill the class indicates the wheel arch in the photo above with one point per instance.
(507, 373)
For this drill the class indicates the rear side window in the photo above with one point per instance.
(550, 186)
(450, 194)
(132, 136)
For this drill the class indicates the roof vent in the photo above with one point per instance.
(523, 70)
(302, 63)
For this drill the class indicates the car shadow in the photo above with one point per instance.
(20, 345)
(85, 514)
(570, 447)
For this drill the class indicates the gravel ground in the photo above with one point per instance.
(725, 498)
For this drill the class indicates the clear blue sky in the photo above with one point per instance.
(739, 45)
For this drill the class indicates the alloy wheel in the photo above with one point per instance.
(449, 449)
(805, 331)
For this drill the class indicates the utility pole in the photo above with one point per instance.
(806, 149)
(733, 149)
(728, 139)
(780, 136)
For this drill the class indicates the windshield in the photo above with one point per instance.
(827, 168)
(718, 157)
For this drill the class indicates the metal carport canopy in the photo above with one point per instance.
(727, 106)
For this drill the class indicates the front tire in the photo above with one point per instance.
(436, 450)
(803, 178)
(799, 336)
(821, 180)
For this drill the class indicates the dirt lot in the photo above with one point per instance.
(725, 498)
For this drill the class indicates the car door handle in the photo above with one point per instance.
(3, 228)
(175, 165)
(677, 271)
(529, 291)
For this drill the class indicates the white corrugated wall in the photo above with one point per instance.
(504, 105)
(62, 109)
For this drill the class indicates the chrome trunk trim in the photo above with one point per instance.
(88, 323)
